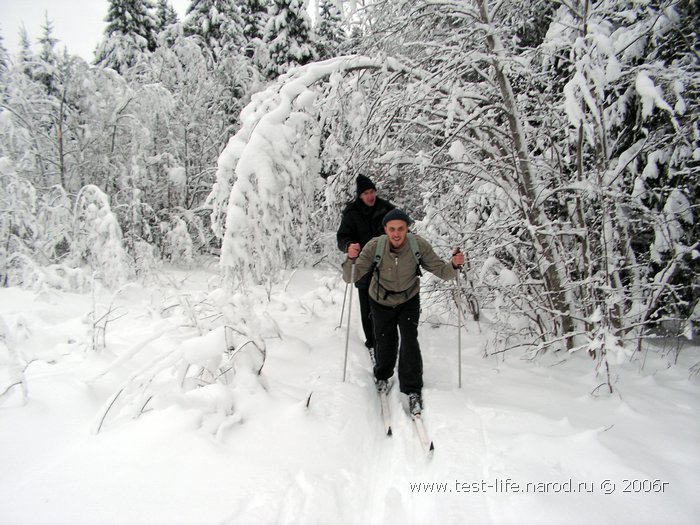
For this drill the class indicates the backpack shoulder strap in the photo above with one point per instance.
(379, 252)
(413, 244)
(415, 250)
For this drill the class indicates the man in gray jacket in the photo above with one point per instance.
(395, 299)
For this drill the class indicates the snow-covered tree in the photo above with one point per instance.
(47, 42)
(165, 15)
(97, 238)
(131, 32)
(18, 219)
(147, 136)
(266, 202)
(631, 137)
(35, 232)
(25, 56)
(562, 197)
(330, 37)
(514, 141)
(178, 243)
(219, 25)
(288, 37)
(34, 116)
(4, 59)
(255, 17)
(207, 96)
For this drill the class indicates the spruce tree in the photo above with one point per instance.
(47, 56)
(255, 17)
(288, 35)
(4, 59)
(331, 38)
(218, 23)
(131, 31)
(165, 15)
(254, 13)
(25, 56)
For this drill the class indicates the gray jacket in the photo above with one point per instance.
(397, 280)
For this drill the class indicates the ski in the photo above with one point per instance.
(386, 413)
(383, 392)
(425, 441)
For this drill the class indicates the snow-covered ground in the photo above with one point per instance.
(521, 442)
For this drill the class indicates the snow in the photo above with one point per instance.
(650, 94)
(523, 441)
(177, 176)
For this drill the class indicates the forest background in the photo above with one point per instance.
(556, 142)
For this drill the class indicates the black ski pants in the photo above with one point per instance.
(389, 324)
(366, 316)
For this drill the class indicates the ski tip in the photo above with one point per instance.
(388, 432)
(431, 448)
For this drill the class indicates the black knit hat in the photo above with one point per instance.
(364, 183)
(397, 215)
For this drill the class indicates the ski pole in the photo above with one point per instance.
(347, 334)
(342, 310)
(459, 323)
(459, 335)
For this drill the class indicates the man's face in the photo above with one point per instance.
(396, 230)
(369, 197)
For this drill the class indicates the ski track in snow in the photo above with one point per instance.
(273, 459)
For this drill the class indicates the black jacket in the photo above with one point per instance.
(361, 223)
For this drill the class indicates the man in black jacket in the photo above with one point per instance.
(362, 221)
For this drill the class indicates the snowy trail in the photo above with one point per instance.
(379, 490)
(354, 408)
(251, 452)
(393, 466)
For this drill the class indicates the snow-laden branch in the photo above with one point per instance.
(269, 171)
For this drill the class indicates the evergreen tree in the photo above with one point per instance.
(168, 26)
(47, 41)
(45, 97)
(255, 16)
(47, 56)
(25, 55)
(4, 60)
(219, 25)
(330, 36)
(97, 238)
(254, 13)
(147, 138)
(131, 31)
(288, 35)
(354, 41)
(165, 15)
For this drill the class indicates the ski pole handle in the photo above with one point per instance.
(457, 259)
